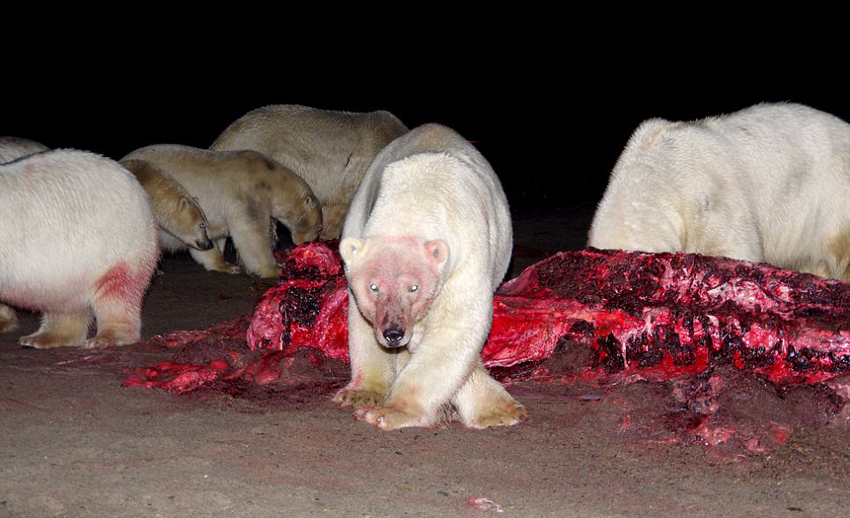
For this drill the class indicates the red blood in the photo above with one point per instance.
(177, 377)
(121, 283)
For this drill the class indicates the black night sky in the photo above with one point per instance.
(552, 124)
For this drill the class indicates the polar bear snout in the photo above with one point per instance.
(394, 337)
(204, 244)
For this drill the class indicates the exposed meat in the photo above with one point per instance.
(674, 312)
(712, 341)
(654, 315)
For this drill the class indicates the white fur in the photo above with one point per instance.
(179, 215)
(430, 185)
(766, 184)
(240, 193)
(329, 149)
(67, 220)
(12, 148)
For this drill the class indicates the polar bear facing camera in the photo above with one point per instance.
(12, 148)
(329, 149)
(79, 238)
(766, 184)
(425, 245)
(241, 193)
(177, 212)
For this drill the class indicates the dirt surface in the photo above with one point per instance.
(73, 442)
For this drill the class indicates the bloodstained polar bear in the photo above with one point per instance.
(770, 183)
(79, 239)
(426, 242)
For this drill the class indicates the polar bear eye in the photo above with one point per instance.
(414, 287)
(373, 287)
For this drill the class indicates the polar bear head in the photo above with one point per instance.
(303, 217)
(394, 280)
(177, 212)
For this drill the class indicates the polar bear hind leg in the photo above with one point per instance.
(831, 258)
(59, 330)
(117, 304)
(838, 251)
(8, 319)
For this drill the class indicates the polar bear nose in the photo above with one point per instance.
(393, 336)
(205, 244)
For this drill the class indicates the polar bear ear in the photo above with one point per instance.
(309, 201)
(438, 250)
(184, 202)
(351, 247)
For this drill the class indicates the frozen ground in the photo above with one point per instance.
(74, 443)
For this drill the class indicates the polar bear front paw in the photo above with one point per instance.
(226, 267)
(271, 273)
(43, 340)
(358, 398)
(110, 337)
(507, 412)
(387, 418)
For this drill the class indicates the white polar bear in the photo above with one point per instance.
(240, 192)
(766, 184)
(426, 243)
(78, 237)
(179, 215)
(329, 149)
(12, 148)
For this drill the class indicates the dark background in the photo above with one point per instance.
(552, 124)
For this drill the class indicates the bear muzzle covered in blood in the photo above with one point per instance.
(394, 290)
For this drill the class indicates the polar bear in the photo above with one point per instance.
(177, 212)
(241, 193)
(329, 149)
(12, 148)
(79, 237)
(766, 184)
(425, 245)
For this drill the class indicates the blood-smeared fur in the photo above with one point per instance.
(425, 244)
(79, 240)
